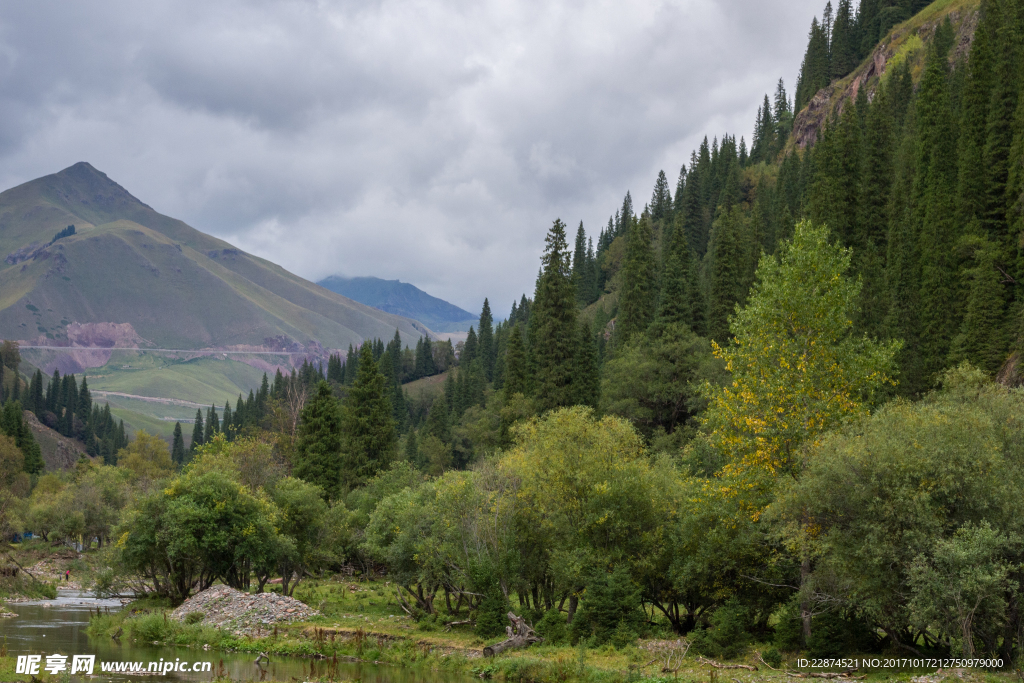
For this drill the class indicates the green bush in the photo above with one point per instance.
(728, 635)
(428, 622)
(834, 634)
(492, 615)
(193, 617)
(150, 627)
(552, 627)
(789, 635)
(610, 610)
(772, 657)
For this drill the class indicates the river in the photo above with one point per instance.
(49, 627)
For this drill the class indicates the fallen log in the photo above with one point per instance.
(713, 663)
(520, 634)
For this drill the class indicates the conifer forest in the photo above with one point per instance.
(773, 408)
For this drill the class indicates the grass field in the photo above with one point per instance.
(206, 380)
(428, 387)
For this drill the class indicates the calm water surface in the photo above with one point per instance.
(46, 627)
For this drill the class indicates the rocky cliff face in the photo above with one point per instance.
(907, 41)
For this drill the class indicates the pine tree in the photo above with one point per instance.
(470, 349)
(974, 108)
(834, 192)
(351, 365)
(581, 267)
(84, 404)
(178, 446)
(588, 375)
(318, 457)
(934, 193)
(661, 199)
(412, 450)
(515, 381)
(37, 390)
(626, 217)
(727, 273)
(228, 422)
(1015, 185)
(552, 326)
(438, 421)
(368, 425)
(694, 209)
(197, 432)
(698, 303)
(764, 134)
(903, 268)
(486, 340)
(53, 392)
(815, 70)
(982, 339)
(783, 116)
(844, 52)
(449, 389)
(999, 134)
(639, 280)
(212, 425)
(334, 369)
(869, 242)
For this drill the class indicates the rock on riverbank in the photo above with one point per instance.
(228, 608)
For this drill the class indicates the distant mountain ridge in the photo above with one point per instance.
(154, 280)
(402, 298)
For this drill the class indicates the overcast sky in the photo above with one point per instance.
(432, 142)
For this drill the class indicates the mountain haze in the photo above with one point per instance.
(175, 286)
(402, 298)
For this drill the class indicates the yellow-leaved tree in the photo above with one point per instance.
(798, 368)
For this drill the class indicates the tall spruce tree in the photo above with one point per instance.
(515, 381)
(486, 341)
(178, 446)
(974, 106)
(844, 53)
(661, 199)
(368, 425)
(198, 432)
(869, 240)
(552, 327)
(318, 447)
(934, 197)
(639, 281)
(727, 272)
(903, 268)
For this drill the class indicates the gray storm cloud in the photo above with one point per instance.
(433, 142)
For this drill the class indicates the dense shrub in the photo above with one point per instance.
(610, 611)
(728, 634)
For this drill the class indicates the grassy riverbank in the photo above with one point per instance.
(362, 621)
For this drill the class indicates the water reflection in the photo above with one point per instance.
(47, 627)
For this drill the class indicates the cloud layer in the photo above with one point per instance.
(433, 142)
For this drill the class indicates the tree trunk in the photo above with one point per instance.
(573, 604)
(519, 635)
(805, 608)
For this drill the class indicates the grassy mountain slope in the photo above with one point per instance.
(904, 42)
(176, 287)
(402, 298)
